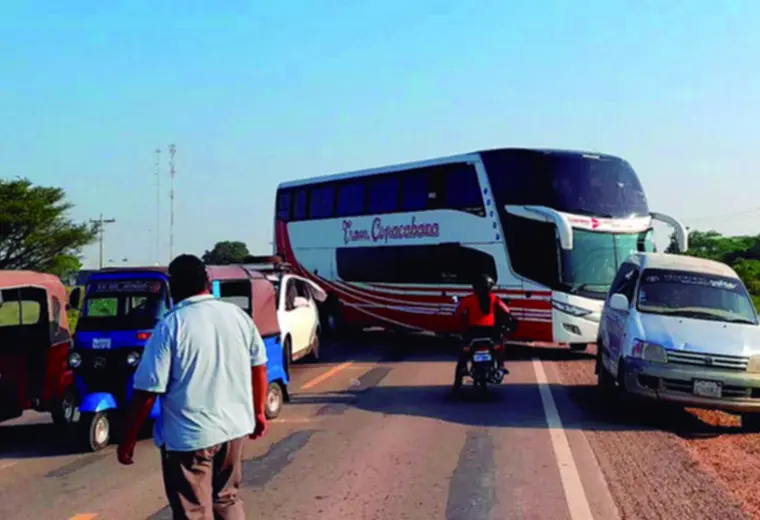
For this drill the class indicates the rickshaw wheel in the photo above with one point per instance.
(275, 398)
(98, 430)
(65, 413)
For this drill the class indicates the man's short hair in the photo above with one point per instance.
(188, 274)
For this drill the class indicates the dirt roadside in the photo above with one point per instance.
(667, 463)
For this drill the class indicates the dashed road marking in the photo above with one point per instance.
(85, 516)
(327, 375)
(577, 502)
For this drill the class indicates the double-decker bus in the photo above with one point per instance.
(392, 245)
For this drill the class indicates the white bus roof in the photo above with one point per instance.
(468, 157)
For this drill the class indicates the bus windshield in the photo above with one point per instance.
(589, 268)
(123, 305)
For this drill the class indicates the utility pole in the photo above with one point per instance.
(158, 205)
(172, 173)
(101, 225)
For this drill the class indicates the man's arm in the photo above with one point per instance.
(151, 379)
(259, 381)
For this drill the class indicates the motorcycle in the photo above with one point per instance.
(479, 359)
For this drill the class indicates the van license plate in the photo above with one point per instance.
(101, 343)
(481, 356)
(707, 388)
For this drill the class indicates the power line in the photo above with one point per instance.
(722, 216)
(101, 227)
(172, 173)
(158, 205)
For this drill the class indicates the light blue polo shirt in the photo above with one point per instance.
(199, 359)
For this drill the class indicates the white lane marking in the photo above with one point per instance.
(577, 502)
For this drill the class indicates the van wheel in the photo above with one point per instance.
(604, 379)
(275, 399)
(97, 430)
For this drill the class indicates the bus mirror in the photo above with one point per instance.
(682, 234)
(544, 214)
(75, 298)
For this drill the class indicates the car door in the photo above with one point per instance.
(294, 316)
(616, 321)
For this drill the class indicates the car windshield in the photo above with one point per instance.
(695, 295)
(589, 268)
(123, 304)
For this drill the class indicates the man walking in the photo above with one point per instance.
(207, 361)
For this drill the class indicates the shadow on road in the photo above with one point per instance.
(35, 440)
(395, 347)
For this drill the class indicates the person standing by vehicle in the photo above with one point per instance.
(481, 312)
(207, 361)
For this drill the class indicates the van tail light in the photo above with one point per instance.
(143, 336)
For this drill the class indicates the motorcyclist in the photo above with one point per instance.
(481, 313)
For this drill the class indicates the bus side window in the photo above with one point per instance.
(322, 202)
(463, 190)
(351, 198)
(383, 194)
(415, 190)
(299, 205)
(283, 205)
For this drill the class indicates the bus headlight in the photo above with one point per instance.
(649, 351)
(75, 360)
(754, 364)
(133, 359)
(572, 310)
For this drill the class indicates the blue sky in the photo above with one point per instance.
(254, 93)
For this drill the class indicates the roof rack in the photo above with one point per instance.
(266, 264)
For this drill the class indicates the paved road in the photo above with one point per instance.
(373, 434)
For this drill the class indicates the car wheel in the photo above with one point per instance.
(275, 399)
(751, 422)
(313, 356)
(287, 355)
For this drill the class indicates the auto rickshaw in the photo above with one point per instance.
(120, 309)
(34, 347)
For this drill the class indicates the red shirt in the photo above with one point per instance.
(470, 307)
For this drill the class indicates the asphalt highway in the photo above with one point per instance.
(372, 433)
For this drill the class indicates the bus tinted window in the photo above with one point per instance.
(603, 186)
(299, 205)
(351, 199)
(463, 190)
(283, 205)
(414, 191)
(433, 264)
(383, 194)
(322, 202)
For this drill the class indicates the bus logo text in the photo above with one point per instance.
(383, 233)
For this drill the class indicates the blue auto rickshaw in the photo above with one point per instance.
(121, 307)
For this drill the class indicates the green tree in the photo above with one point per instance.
(226, 252)
(35, 230)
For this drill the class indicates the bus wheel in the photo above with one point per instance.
(578, 347)
(275, 398)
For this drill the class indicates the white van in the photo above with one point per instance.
(683, 330)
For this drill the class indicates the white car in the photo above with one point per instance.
(298, 314)
(682, 330)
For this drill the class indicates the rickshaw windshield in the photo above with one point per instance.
(123, 305)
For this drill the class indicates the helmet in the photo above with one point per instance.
(483, 283)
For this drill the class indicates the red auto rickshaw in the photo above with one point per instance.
(34, 347)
